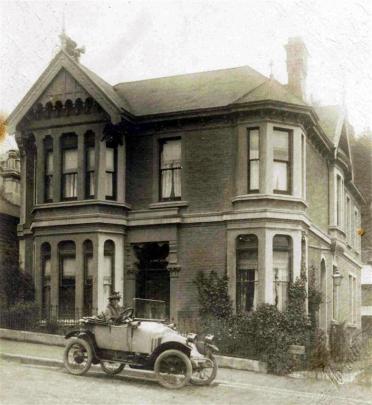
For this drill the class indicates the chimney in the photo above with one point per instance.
(297, 66)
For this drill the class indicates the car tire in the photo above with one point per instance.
(77, 356)
(169, 363)
(109, 367)
(198, 380)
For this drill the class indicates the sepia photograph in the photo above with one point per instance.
(185, 202)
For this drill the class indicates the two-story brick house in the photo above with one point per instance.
(138, 186)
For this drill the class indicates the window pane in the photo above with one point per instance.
(49, 187)
(280, 181)
(281, 145)
(109, 184)
(177, 182)
(90, 267)
(107, 266)
(110, 160)
(171, 154)
(68, 267)
(70, 185)
(90, 159)
(253, 144)
(49, 163)
(254, 174)
(70, 160)
(91, 181)
(47, 264)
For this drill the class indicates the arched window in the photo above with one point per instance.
(88, 277)
(48, 169)
(67, 272)
(109, 265)
(90, 164)
(69, 166)
(246, 272)
(45, 252)
(282, 269)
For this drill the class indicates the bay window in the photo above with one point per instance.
(282, 268)
(45, 278)
(111, 169)
(69, 167)
(109, 266)
(246, 272)
(253, 160)
(282, 161)
(170, 169)
(88, 277)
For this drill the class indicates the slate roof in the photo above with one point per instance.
(330, 119)
(217, 88)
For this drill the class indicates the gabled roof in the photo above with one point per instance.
(331, 119)
(101, 91)
(194, 91)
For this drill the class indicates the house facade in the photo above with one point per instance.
(9, 208)
(136, 187)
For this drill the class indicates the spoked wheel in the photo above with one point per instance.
(112, 367)
(77, 356)
(206, 373)
(173, 369)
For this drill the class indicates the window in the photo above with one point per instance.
(45, 278)
(69, 167)
(339, 200)
(170, 170)
(282, 161)
(88, 277)
(67, 272)
(111, 167)
(348, 218)
(109, 265)
(253, 160)
(282, 268)
(355, 230)
(352, 299)
(246, 272)
(335, 298)
(90, 163)
(48, 169)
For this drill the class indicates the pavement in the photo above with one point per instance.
(40, 379)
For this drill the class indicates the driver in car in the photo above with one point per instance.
(113, 310)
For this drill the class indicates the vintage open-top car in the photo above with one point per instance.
(141, 339)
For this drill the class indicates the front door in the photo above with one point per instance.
(153, 281)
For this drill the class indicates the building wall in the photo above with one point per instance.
(202, 247)
(317, 184)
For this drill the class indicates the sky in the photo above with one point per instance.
(132, 40)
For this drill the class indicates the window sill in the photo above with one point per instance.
(257, 196)
(169, 204)
(63, 204)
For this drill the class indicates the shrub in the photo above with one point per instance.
(23, 316)
(213, 295)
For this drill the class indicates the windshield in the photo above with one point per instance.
(149, 309)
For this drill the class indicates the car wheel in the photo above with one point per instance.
(77, 356)
(112, 367)
(173, 369)
(204, 375)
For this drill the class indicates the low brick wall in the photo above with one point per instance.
(58, 340)
(32, 337)
(241, 364)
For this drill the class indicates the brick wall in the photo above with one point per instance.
(317, 188)
(207, 169)
(201, 247)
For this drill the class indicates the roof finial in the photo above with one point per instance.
(271, 64)
(69, 45)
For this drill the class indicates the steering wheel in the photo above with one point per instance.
(127, 313)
